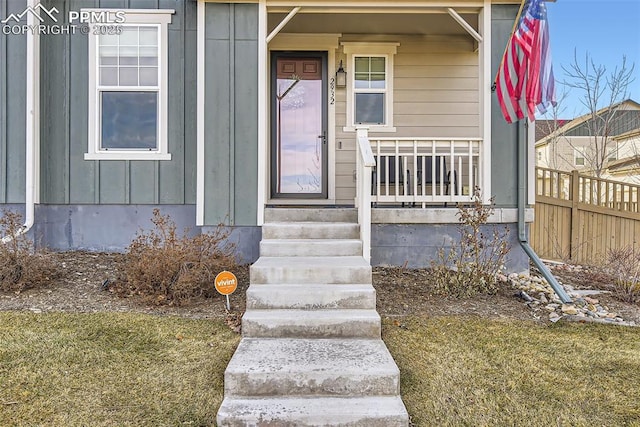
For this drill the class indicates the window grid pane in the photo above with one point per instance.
(370, 73)
(132, 57)
(369, 90)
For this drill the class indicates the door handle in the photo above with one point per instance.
(323, 136)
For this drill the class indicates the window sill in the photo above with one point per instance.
(372, 128)
(127, 156)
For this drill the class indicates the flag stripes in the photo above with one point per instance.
(525, 77)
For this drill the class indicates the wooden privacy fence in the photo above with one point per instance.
(580, 217)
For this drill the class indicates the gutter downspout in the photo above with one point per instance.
(32, 124)
(522, 229)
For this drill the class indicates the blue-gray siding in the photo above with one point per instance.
(231, 114)
(13, 57)
(503, 135)
(66, 178)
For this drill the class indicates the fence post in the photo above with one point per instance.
(574, 235)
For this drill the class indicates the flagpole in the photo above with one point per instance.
(513, 29)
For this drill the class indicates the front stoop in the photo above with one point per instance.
(311, 353)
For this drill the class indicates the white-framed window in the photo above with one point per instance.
(128, 73)
(370, 85)
(612, 154)
(578, 157)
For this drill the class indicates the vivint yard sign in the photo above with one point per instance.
(39, 19)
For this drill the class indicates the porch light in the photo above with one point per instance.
(341, 77)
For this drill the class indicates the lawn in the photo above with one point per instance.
(141, 370)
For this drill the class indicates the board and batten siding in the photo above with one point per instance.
(504, 136)
(231, 114)
(66, 178)
(436, 94)
(13, 64)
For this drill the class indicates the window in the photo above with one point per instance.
(612, 154)
(128, 88)
(578, 157)
(370, 85)
(369, 88)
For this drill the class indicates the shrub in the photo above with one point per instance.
(471, 267)
(170, 269)
(624, 265)
(21, 265)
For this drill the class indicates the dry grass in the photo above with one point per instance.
(478, 372)
(138, 370)
(111, 369)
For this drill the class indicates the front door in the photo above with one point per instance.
(299, 125)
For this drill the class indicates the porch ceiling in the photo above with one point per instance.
(374, 23)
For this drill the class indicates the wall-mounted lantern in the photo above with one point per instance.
(341, 77)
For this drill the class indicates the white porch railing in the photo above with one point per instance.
(412, 171)
(365, 162)
(425, 170)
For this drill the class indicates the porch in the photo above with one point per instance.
(430, 139)
(424, 70)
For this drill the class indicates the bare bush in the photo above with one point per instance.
(21, 265)
(471, 267)
(624, 265)
(167, 268)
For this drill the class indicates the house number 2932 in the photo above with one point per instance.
(332, 91)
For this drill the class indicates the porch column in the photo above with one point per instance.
(263, 155)
(484, 25)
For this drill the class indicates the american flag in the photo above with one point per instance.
(525, 76)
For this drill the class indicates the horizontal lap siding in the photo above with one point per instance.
(13, 62)
(66, 178)
(435, 95)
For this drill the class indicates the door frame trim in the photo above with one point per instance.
(322, 56)
(328, 43)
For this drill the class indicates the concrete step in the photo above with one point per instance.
(304, 270)
(311, 297)
(310, 247)
(310, 230)
(327, 367)
(311, 324)
(374, 411)
(310, 214)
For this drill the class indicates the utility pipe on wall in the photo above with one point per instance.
(522, 229)
(32, 124)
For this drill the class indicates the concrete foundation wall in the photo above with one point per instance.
(112, 227)
(107, 228)
(418, 244)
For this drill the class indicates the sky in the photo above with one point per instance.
(606, 29)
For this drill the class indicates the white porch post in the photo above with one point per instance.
(200, 117)
(365, 163)
(263, 176)
(484, 25)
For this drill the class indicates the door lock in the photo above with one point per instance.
(323, 136)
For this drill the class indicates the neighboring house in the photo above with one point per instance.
(626, 167)
(213, 110)
(568, 145)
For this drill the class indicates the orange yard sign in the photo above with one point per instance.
(226, 282)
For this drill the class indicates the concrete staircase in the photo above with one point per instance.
(311, 353)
